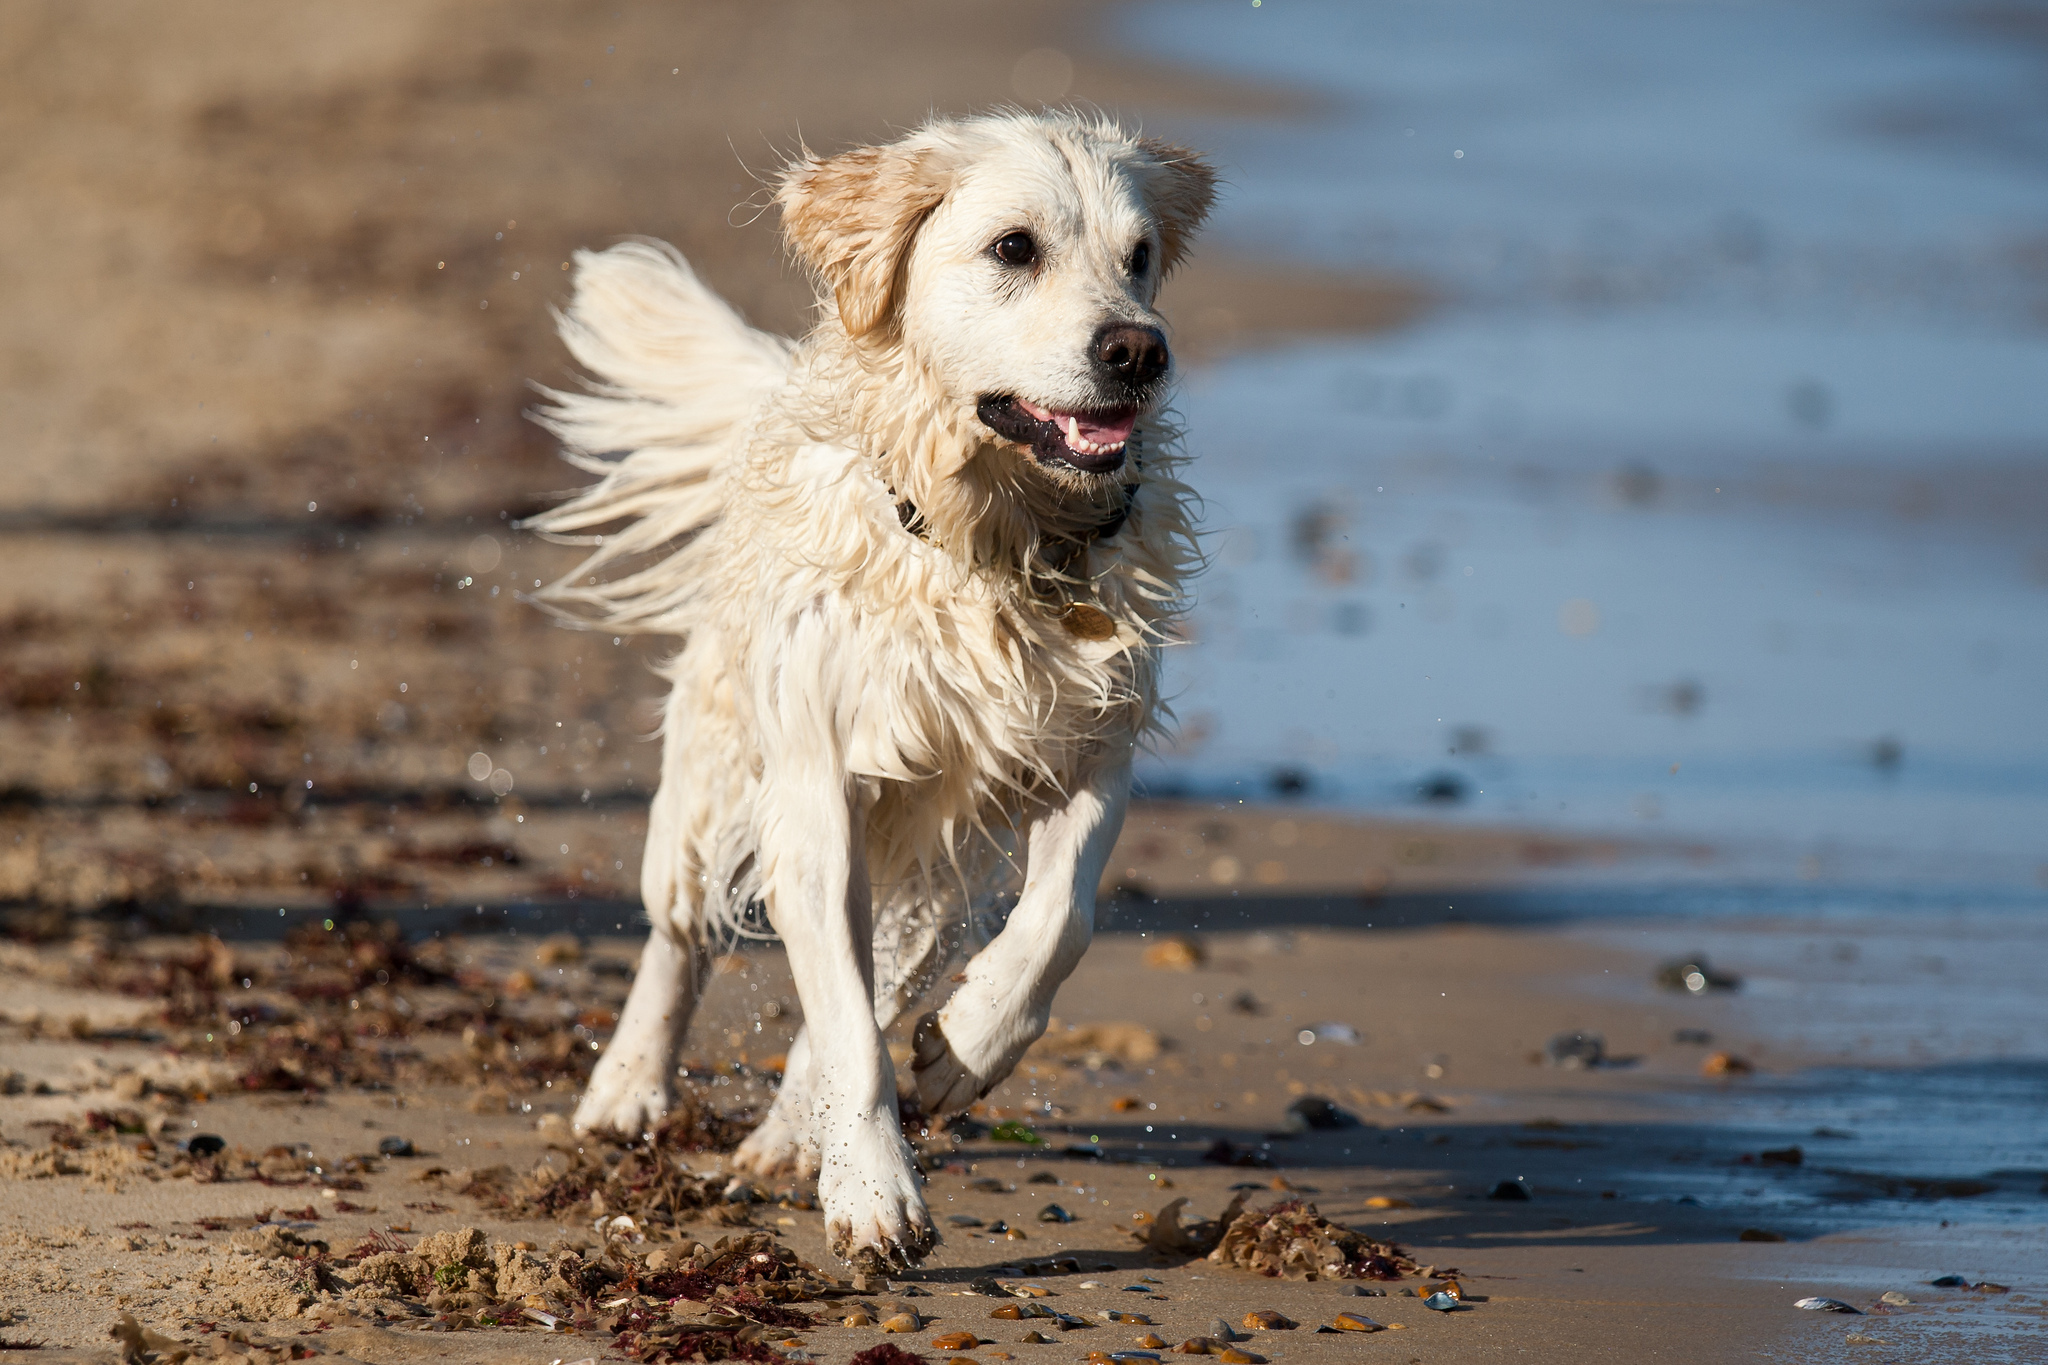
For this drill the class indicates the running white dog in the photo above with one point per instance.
(921, 564)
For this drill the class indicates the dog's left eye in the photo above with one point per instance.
(1016, 248)
(1141, 258)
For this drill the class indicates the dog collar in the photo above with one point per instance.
(913, 520)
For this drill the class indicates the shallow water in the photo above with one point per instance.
(1907, 1057)
(1709, 502)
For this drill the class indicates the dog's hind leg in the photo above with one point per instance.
(782, 1144)
(633, 1085)
(909, 946)
(1001, 1009)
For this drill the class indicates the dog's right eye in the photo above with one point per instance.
(1016, 248)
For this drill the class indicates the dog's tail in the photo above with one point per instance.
(675, 376)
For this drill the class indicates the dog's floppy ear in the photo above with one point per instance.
(851, 218)
(1181, 187)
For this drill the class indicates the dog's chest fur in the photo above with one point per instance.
(980, 682)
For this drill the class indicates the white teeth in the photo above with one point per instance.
(1081, 445)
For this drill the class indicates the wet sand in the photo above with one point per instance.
(1625, 1250)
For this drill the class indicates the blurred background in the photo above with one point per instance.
(1622, 425)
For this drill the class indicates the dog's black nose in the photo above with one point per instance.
(1131, 354)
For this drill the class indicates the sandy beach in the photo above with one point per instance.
(278, 282)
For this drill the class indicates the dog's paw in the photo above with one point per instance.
(625, 1096)
(945, 1084)
(776, 1148)
(875, 1218)
(956, 1060)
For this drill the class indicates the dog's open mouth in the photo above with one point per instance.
(1091, 440)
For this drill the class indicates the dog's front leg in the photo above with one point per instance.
(965, 1049)
(817, 892)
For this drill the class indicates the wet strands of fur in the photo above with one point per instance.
(1292, 1241)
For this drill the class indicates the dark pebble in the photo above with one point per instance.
(1053, 1213)
(1576, 1051)
(206, 1144)
(1315, 1112)
(395, 1146)
(1509, 1189)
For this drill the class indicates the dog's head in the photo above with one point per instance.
(1016, 258)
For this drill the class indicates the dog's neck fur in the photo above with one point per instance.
(988, 504)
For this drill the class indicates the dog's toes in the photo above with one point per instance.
(776, 1148)
(874, 1206)
(623, 1100)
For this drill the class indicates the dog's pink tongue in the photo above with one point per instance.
(1107, 428)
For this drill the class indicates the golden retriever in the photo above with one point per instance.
(921, 564)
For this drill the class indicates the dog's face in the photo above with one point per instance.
(1017, 258)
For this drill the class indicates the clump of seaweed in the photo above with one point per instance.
(644, 1180)
(1292, 1241)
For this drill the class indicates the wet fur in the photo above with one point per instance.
(870, 729)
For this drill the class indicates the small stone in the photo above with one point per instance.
(1759, 1235)
(1512, 1190)
(1175, 954)
(857, 1320)
(1014, 1235)
(394, 1146)
(1314, 1112)
(1029, 1291)
(1576, 1051)
(1009, 1311)
(1725, 1064)
(206, 1144)
(1223, 1331)
(963, 1220)
(1232, 1356)
(1352, 1322)
(1820, 1305)
(1894, 1298)
(1150, 1341)
(1387, 1201)
(901, 1322)
(1035, 1338)
(558, 950)
(1129, 1319)
(1053, 1213)
(1199, 1346)
(956, 1341)
(1266, 1320)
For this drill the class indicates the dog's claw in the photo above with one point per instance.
(776, 1148)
